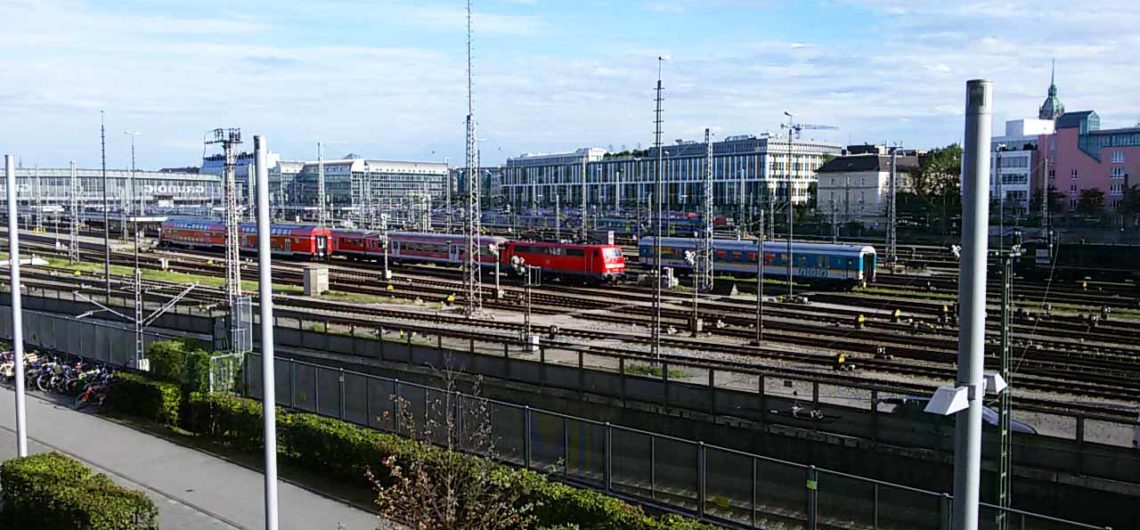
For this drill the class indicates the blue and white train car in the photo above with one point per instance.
(840, 263)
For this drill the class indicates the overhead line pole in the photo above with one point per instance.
(658, 235)
(473, 278)
(106, 212)
(791, 184)
(73, 204)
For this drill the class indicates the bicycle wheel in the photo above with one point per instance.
(43, 382)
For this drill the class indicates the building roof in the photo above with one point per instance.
(1072, 120)
(867, 162)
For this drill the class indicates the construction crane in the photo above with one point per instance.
(794, 129)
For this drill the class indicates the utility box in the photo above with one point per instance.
(316, 279)
(601, 237)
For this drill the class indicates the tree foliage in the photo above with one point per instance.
(1091, 202)
(1129, 207)
(939, 173)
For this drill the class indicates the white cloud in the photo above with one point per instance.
(173, 78)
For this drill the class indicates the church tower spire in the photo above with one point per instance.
(1052, 108)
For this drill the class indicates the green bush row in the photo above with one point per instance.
(139, 395)
(51, 491)
(348, 451)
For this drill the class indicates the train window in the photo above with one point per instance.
(577, 252)
(721, 254)
(612, 252)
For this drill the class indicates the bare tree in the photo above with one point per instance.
(457, 486)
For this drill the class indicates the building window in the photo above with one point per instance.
(1118, 157)
(1073, 173)
(1072, 188)
(1117, 172)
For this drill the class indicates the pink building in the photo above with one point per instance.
(1082, 156)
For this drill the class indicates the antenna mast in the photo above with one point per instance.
(473, 279)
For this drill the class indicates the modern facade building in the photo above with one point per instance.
(745, 169)
(157, 190)
(1082, 156)
(1015, 172)
(353, 181)
(855, 187)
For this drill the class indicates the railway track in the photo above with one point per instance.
(1097, 376)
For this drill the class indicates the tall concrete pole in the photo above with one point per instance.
(17, 310)
(972, 293)
(265, 296)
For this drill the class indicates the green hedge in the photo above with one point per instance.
(180, 362)
(141, 396)
(51, 491)
(345, 450)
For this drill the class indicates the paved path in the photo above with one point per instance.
(193, 490)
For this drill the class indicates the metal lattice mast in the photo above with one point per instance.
(892, 211)
(73, 206)
(705, 255)
(229, 138)
(321, 219)
(791, 206)
(585, 193)
(39, 200)
(658, 232)
(474, 282)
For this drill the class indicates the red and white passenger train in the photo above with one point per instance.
(584, 262)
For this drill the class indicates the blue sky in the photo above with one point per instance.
(385, 78)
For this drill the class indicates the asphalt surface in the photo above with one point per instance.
(193, 490)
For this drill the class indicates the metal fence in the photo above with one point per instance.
(716, 484)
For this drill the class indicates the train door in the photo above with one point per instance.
(453, 253)
(868, 267)
(322, 246)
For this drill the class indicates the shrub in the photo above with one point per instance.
(141, 396)
(53, 492)
(197, 377)
(180, 362)
(168, 359)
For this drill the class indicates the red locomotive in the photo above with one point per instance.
(286, 240)
(568, 260)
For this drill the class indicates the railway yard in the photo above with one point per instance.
(1076, 372)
